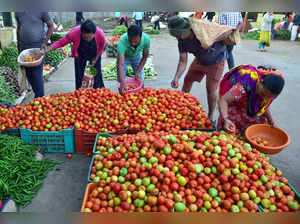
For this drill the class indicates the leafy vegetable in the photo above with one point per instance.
(54, 58)
(119, 30)
(7, 94)
(9, 58)
(21, 173)
(109, 72)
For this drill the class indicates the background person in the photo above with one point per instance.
(88, 43)
(31, 34)
(133, 49)
(233, 19)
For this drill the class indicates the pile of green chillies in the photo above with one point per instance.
(21, 174)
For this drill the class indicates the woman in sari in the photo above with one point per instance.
(246, 94)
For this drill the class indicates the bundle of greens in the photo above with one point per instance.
(7, 93)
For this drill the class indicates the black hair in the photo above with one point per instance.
(266, 67)
(134, 31)
(274, 83)
(88, 26)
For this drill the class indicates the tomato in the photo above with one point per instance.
(69, 155)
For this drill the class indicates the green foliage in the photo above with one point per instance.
(119, 30)
(54, 58)
(9, 58)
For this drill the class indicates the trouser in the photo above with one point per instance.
(294, 32)
(261, 45)
(230, 59)
(35, 78)
(80, 64)
(139, 23)
(134, 62)
(156, 25)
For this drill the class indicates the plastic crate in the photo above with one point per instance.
(85, 141)
(95, 143)
(89, 188)
(51, 141)
(90, 170)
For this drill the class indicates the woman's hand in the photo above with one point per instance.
(229, 126)
(174, 83)
(93, 62)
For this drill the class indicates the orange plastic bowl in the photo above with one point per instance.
(277, 137)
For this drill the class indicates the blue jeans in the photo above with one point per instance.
(36, 79)
(230, 59)
(134, 62)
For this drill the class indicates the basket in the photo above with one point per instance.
(89, 188)
(132, 81)
(85, 141)
(277, 136)
(95, 144)
(50, 141)
(34, 52)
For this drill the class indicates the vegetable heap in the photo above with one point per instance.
(21, 173)
(7, 94)
(185, 171)
(109, 72)
(9, 58)
(101, 110)
(11, 78)
(54, 58)
(119, 30)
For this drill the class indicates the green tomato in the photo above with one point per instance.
(143, 160)
(252, 194)
(150, 187)
(172, 139)
(248, 147)
(235, 209)
(256, 200)
(167, 150)
(218, 199)
(273, 208)
(239, 156)
(99, 166)
(198, 168)
(264, 179)
(123, 171)
(229, 146)
(146, 181)
(207, 170)
(104, 176)
(181, 181)
(213, 192)
(153, 160)
(231, 152)
(215, 142)
(235, 171)
(138, 182)
(121, 179)
(214, 170)
(217, 149)
(179, 207)
(266, 203)
(240, 204)
(185, 138)
(207, 153)
(203, 209)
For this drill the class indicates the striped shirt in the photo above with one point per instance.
(230, 18)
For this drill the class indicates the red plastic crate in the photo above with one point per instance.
(84, 141)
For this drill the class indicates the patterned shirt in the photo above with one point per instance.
(230, 18)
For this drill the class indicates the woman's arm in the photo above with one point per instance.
(270, 117)
(183, 57)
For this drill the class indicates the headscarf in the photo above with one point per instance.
(249, 77)
(178, 25)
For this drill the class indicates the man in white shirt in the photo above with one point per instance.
(235, 20)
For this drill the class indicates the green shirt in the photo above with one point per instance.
(129, 51)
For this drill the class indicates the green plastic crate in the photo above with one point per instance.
(95, 144)
(51, 141)
(12, 132)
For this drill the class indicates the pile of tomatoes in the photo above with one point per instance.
(185, 171)
(114, 39)
(260, 141)
(101, 110)
(31, 59)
